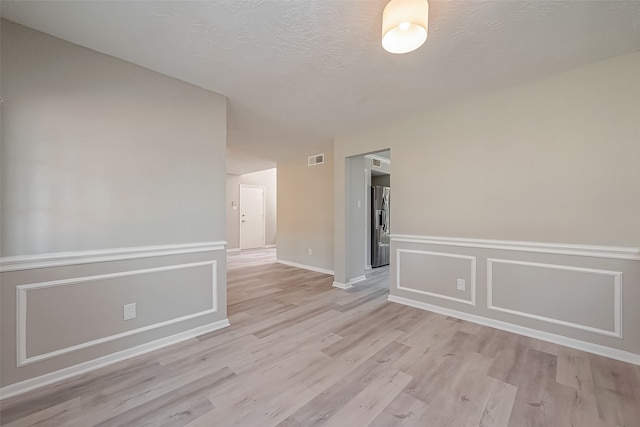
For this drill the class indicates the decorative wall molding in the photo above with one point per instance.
(614, 252)
(617, 280)
(472, 275)
(624, 356)
(91, 365)
(60, 259)
(350, 283)
(22, 306)
(306, 267)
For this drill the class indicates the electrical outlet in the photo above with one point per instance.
(129, 311)
(460, 285)
(310, 251)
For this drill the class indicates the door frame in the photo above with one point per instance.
(264, 215)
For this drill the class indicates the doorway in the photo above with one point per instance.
(361, 219)
(252, 221)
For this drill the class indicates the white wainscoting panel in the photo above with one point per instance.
(22, 308)
(553, 294)
(471, 275)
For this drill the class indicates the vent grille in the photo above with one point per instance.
(376, 163)
(318, 159)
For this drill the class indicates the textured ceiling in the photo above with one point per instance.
(299, 72)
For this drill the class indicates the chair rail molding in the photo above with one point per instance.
(614, 252)
(59, 259)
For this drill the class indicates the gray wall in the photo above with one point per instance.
(552, 161)
(99, 154)
(266, 179)
(305, 212)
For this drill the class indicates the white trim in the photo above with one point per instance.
(91, 365)
(238, 249)
(341, 285)
(614, 252)
(367, 219)
(472, 275)
(380, 158)
(614, 353)
(21, 310)
(356, 280)
(350, 283)
(59, 259)
(306, 267)
(617, 282)
(264, 215)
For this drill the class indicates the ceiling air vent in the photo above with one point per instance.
(318, 159)
(376, 163)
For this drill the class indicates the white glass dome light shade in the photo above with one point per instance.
(404, 25)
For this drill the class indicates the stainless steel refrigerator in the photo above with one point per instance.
(379, 226)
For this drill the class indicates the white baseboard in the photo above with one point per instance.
(367, 267)
(84, 367)
(271, 246)
(613, 353)
(306, 267)
(350, 283)
(340, 285)
(357, 279)
(233, 250)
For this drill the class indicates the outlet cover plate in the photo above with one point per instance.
(130, 311)
(460, 285)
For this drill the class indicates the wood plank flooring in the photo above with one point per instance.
(302, 353)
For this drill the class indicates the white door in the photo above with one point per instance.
(251, 217)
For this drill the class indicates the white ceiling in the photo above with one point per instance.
(299, 72)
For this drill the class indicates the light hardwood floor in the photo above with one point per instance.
(301, 353)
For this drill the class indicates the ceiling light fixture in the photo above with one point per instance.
(404, 25)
